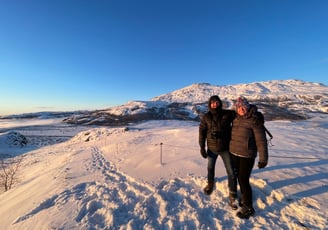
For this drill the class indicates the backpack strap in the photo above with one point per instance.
(267, 131)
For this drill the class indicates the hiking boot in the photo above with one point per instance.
(209, 188)
(233, 202)
(245, 212)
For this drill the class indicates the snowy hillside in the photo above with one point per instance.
(151, 175)
(278, 100)
(296, 90)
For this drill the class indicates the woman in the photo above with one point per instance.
(247, 138)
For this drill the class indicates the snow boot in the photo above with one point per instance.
(208, 188)
(233, 202)
(245, 212)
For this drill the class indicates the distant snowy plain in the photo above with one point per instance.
(150, 176)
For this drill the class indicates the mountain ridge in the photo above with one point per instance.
(246, 89)
(277, 99)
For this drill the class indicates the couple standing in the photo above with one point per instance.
(235, 136)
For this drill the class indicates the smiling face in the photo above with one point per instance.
(214, 104)
(241, 110)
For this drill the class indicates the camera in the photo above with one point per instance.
(217, 134)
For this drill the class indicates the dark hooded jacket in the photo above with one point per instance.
(215, 127)
(248, 136)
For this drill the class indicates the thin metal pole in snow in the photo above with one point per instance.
(161, 144)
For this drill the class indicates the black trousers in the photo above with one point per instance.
(244, 168)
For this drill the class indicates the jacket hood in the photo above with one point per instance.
(214, 98)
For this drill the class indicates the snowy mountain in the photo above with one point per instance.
(149, 175)
(39, 115)
(106, 178)
(278, 100)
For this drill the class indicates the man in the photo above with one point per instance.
(215, 132)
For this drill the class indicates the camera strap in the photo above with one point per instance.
(216, 122)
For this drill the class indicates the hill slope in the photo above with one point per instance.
(278, 100)
(112, 178)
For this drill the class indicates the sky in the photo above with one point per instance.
(117, 178)
(72, 55)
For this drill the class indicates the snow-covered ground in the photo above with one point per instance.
(151, 175)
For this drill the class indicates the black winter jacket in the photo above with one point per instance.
(248, 136)
(215, 128)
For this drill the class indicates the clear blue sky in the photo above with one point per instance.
(67, 55)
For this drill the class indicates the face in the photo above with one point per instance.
(215, 104)
(241, 110)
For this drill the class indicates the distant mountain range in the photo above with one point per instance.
(277, 99)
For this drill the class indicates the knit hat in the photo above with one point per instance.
(242, 102)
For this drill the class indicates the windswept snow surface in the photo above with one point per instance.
(151, 175)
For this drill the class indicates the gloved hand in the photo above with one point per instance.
(203, 153)
(262, 165)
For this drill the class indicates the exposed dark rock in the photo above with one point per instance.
(13, 138)
(277, 100)
(179, 111)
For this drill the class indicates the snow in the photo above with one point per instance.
(150, 176)
(133, 107)
(295, 90)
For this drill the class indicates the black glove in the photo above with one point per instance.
(203, 153)
(262, 165)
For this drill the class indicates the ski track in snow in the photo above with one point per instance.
(121, 202)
